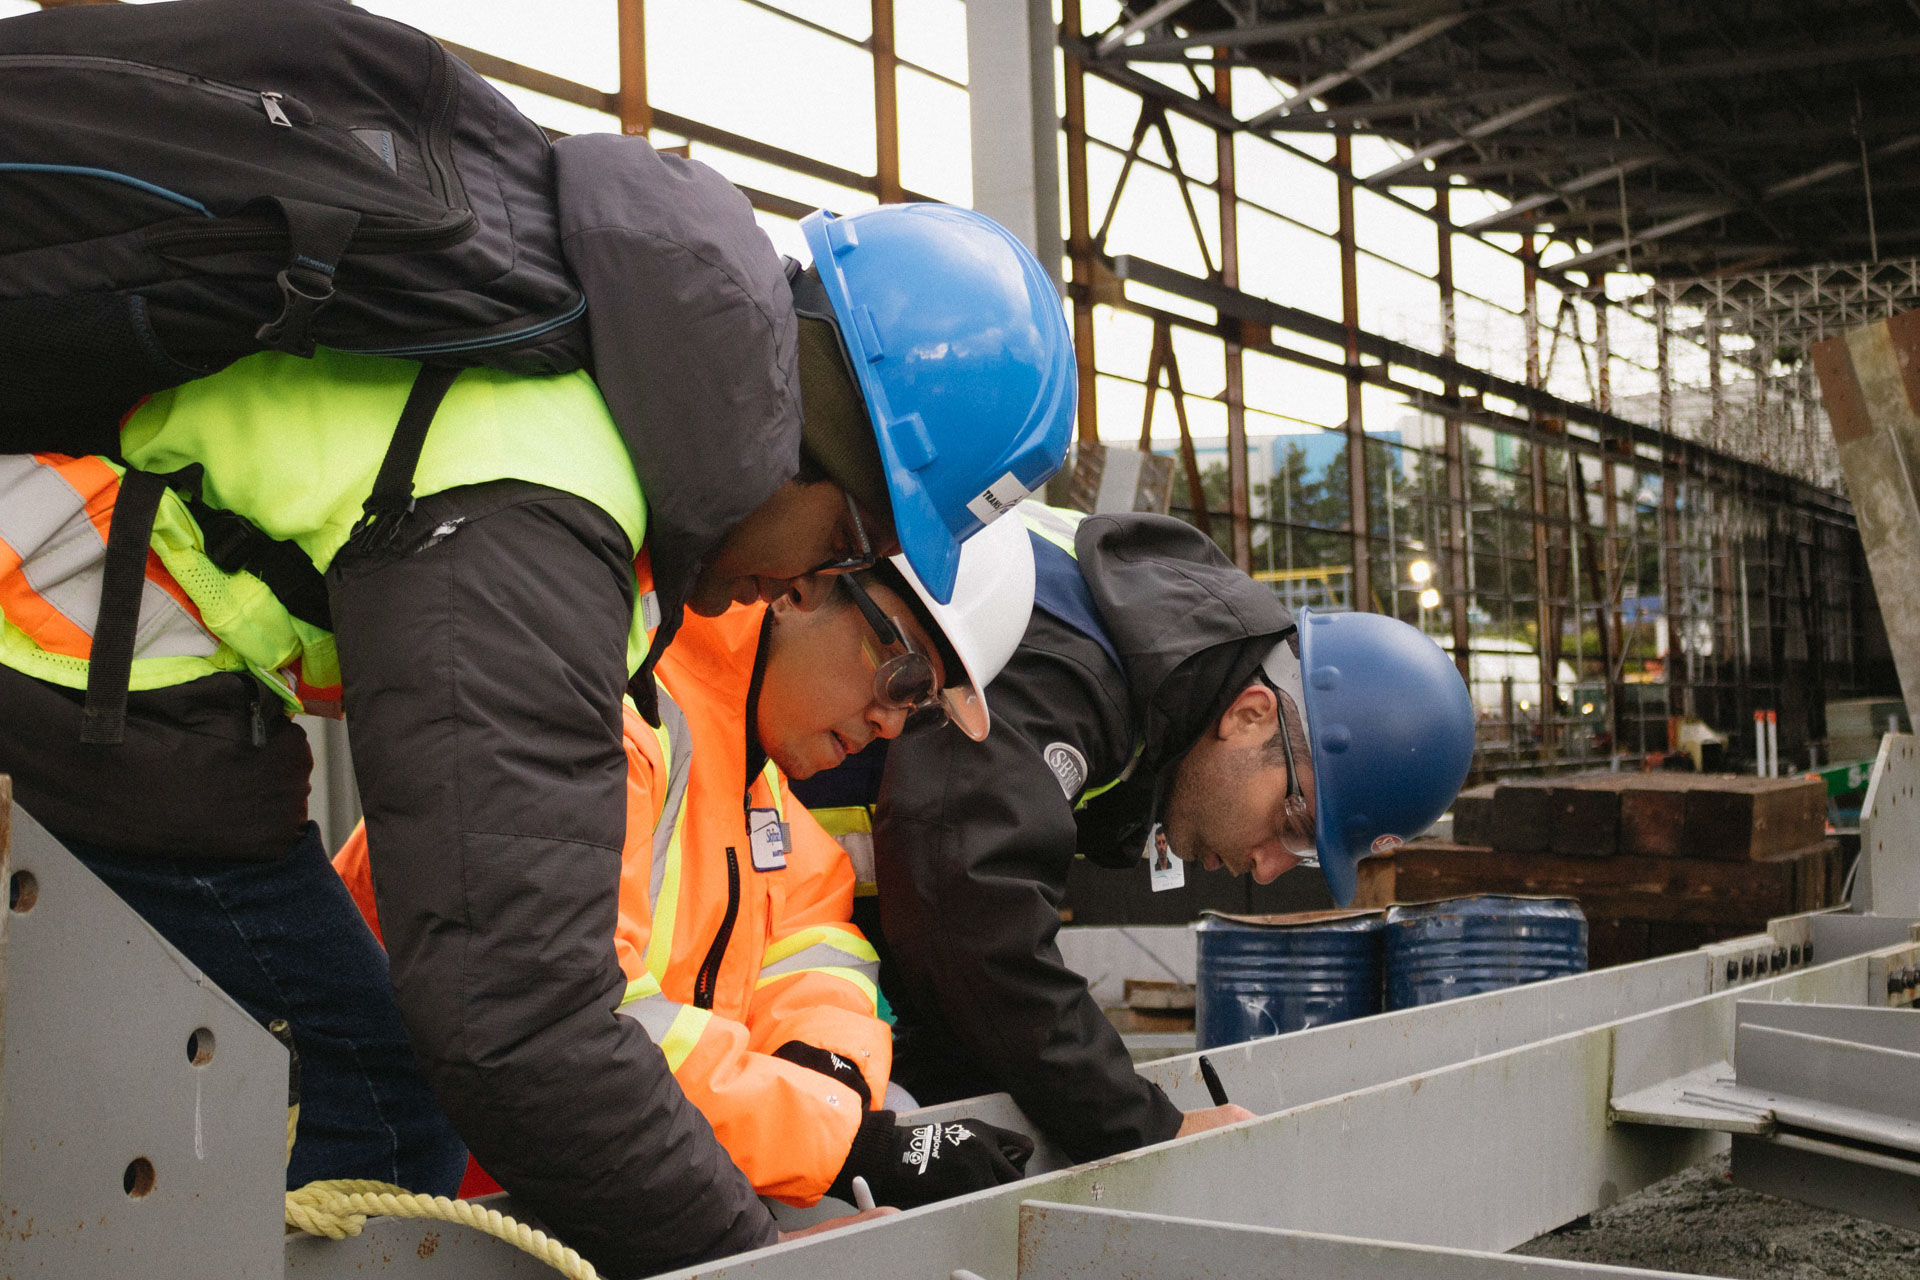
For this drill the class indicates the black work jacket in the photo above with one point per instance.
(973, 840)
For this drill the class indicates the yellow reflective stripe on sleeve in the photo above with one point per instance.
(836, 936)
(821, 956)
(675, 1027)
(639, 989)
(855, 977)
(684, 1034)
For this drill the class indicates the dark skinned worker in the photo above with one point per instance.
(735, 928)
(909, 385)
(1159, 694)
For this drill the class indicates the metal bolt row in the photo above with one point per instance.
(1781, 959)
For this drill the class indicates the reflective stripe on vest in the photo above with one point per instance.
(293, 446)
(663, 875)
(825, 948)
(851, 826)
(54, 513)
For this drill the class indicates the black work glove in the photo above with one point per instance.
(827, 1064)
(909, 1165)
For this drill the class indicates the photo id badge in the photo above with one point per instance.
(767, 838)
(1164, 871)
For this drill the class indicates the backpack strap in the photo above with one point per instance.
(233, 543)
(392, 496)
(123, 578)
(317, 238)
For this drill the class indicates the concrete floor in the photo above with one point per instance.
(1699, 1222)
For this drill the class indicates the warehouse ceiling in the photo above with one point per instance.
(1674, 137)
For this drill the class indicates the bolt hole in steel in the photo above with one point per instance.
(200, 1047)
(137, 1181)
(22, 892)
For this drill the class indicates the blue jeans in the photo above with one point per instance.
(285, 940)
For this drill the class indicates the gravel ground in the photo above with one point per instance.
(1699, 1222)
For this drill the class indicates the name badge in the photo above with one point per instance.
(1164, 871)
(767, 839)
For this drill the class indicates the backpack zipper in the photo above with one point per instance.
(709, 976)
(366, 239)
(273, 105)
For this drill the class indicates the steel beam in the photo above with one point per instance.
(1065, 1242)
(1473, 133)
(1320, 85)
(1481, 1154)
(1277, 32)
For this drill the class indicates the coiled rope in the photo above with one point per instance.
(339, 1207)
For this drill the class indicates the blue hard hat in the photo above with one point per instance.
(960, 346)
(1391, 727)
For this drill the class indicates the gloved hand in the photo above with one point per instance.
(911, 1165)
(827, 1064)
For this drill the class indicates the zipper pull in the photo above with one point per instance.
(270, 101)
(259, 715)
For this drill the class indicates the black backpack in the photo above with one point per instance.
(184, 184)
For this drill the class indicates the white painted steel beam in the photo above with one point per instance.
(1479, 1154)
(1069, 1242)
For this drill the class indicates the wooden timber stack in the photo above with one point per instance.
(1660, 862)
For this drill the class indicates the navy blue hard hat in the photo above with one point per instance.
(1391, 728)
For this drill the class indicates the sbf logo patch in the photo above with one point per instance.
(1068, 765)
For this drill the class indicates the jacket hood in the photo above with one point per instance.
(694, 340)
(1189, 627)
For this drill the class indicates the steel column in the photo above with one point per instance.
(636, 116)
(1359, 517)
(1014, 127)
(886, 105)
(1079, 223)
(1458, 487)
(1239, 493)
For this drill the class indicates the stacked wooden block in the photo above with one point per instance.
(1660, 862)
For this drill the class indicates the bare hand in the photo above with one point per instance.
(1212, 1118)
(834, 1224)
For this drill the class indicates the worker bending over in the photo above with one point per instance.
(1159, 693)
(735, 928)
(481, 635)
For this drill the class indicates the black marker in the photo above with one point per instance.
(1215, 1090)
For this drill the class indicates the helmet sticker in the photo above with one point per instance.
(1385, 844)
(1068, 765)
(997, 497)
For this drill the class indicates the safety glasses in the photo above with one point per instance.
(865, 558)
(1296, 824)
(903, 677)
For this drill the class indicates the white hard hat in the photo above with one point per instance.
(983, 623)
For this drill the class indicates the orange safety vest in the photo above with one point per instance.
(790, 965)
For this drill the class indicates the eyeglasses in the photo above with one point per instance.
(866, 558)
(1296, 831)
(903, 677)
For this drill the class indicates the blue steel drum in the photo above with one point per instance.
(1261, 975)
(1463, 946)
